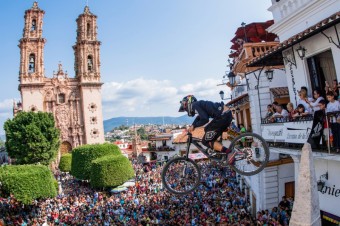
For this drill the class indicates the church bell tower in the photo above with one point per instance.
(87, 71)
(32, 47)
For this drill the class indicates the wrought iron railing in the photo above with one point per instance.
(286, 119)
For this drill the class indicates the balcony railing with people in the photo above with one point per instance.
(321, 130)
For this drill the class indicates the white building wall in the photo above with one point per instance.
(291, 18)
(329, 200)
(300, 75)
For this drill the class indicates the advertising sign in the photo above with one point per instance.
(290, 132)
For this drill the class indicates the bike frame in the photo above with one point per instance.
(195, 141)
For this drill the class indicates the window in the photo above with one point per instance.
(31, 65)
(88, 30)
(34, 25)
(89, 63)
(321, 68)
(61, 98)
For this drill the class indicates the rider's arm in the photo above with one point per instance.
(202, 118)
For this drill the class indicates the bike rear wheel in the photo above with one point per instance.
(251, 154)
(181, 176)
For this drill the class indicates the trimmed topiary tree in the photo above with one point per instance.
(82, 157)
(65, 162)
(27, 182)
(32, 137)
(110, 171)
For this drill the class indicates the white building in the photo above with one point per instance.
(311, 26)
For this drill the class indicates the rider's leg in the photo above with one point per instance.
(214, 130)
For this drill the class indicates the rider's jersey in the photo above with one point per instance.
(205, 111)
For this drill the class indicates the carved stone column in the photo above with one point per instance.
(306, 209)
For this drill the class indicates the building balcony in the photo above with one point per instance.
(289, 133)
(250, 51)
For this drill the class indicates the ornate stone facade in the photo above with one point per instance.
(74, 102)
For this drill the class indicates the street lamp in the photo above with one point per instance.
(222, 96)
(231, 77)
(269, 73)
(301, 52)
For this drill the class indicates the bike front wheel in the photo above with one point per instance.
(251, 154)
(181, 176)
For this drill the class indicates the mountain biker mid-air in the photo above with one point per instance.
(221, 118)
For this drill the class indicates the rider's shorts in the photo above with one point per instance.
(217, 126)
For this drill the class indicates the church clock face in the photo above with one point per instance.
(61, 78)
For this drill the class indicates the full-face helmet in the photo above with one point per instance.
(186, 105)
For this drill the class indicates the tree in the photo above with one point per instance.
(142, 133)
(110, 171)
(65, 162)
(82, 157)
(32, 138)
(28, 182)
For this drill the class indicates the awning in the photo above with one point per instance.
(279, 92)
(239, 100)
(273, 57)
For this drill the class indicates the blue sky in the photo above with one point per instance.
(153, 51)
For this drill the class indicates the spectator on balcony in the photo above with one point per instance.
(280, 113)
(270, 111)
(333, 88)
(314, 104)
(300, 111)
(304, 99)
(274, 105)
(291, 110)
(334, 106)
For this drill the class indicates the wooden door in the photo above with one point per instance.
(290, 189)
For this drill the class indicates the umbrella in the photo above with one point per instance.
(255, 32)
(129, 184)
(118, 189)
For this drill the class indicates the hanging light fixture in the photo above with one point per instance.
(221, 94)
(231, 77)
(301, 52)
(270, 74)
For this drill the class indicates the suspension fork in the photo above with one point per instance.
(189, 141)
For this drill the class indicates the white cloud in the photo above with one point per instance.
(142, 97)
(6, 106)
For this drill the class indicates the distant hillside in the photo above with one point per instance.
(115, 122)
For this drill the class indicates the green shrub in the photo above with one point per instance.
(32, 138)
(27, 182)
(110, 171)
(65, 162)
(82, 157)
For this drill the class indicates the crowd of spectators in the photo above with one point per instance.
(327, 106)
(277, 215)
(218, 201)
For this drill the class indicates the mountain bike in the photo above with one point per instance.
(182, 175)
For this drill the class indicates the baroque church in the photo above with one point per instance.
(74, 102)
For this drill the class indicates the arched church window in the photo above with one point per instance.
(31, 64)
(88, 30)
(34, 25)
(89, 63)
(61, 98)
